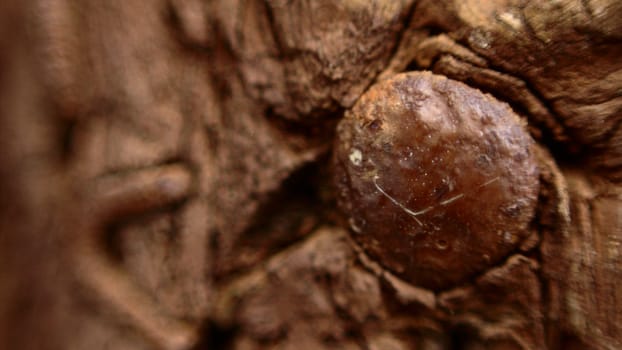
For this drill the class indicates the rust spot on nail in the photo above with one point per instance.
(440, 178)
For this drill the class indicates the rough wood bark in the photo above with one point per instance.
(166, 177)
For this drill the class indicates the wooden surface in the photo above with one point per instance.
(166, 180)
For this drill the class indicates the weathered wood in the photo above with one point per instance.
(166, 177)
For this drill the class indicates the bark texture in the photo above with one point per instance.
(166, 175)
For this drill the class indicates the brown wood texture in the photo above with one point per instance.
(167, 175)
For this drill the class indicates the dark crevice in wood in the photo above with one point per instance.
(285, 217)
(216, 337)
(67, 130)
(460, 336)
(307, 133)
(545, 285)
(410, 13)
